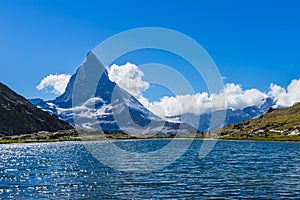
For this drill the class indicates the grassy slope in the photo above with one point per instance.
(277, 124)
(72, 135)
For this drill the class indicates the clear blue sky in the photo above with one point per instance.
(254, 43)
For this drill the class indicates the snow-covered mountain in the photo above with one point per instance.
(110, 108)
(122, 112)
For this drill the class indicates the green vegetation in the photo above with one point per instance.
(269, 138)
(276, 125)
(24, 141)
(73, 135)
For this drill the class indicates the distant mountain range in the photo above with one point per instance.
(232, 116)
(19, 116)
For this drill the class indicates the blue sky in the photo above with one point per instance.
(253, 43)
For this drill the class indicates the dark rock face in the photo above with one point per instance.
(18, 116)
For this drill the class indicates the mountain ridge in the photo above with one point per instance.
(19, 116)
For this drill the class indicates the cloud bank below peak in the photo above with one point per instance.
(232, 95)
(130, 78)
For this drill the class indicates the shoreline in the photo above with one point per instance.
(96, 136)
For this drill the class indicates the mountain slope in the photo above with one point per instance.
(19, 116)
(109, 108)
(280, 122)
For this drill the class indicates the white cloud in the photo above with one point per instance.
(286, 97)
(129, 77)
(237, 98)
(54, 83)
(200, 103)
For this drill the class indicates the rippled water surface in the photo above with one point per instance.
(232, 170)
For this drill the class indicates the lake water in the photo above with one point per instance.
(232, 170)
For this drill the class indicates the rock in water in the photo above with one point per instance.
(19, 116)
